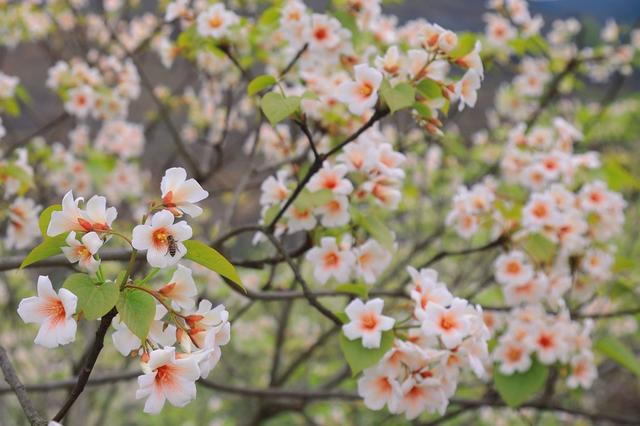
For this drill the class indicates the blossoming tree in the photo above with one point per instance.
(313, 178)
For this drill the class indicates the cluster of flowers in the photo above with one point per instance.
(531, 333)
(574, 216)
(198, 331)
(421, 371)
(598, 63)
(22, 22)
(8, 88)
(102, 88)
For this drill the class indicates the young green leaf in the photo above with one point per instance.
(466, 44)
(309, 200)
(45, 218)
(401, 96)
(360, 290)
(49, 247)
(539, 248)
(260, 83)
(518, 388)
(137, 310)
(276, 107)
(359, 357)
(429, 89)
(613, 348)
(94, 300)
(210, 258)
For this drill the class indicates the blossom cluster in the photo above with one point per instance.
(420, 372)
(183, 340)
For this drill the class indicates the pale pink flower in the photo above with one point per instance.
(366, 322)
(583, 371)
(83, 251)
(53, 312)
(513, 356)
(450, 324)
(376, 387)
(335, 213)
(168, 378)
(513, 268)
(215, 21)
(371, 260)
(158, 235)
(361, 94)
(467, 89)
(332, 178)
(181, 289)
(180, 194)
(80, 101)
(331, 261)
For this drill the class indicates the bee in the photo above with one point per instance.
(172, 248)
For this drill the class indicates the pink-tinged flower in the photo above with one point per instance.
(324, 32)
(331, 261)
(513, 356)
(162, 239)
(274, 189)
(54, 312)
(371, 260)
(513, 269)
(428, 290)
(361, 94)
(450, 324)
(473, 60)
(168, 378)
(416, 397)
(539, 212)
(467, 89)
(215, 21)
(447, 41)
(335, 212)
(96, 216)
(583, 371)
(80, 101)
(22, 228)
(531, 291)
(300, 219)
(160, 333)
(83, 251)
(209, 327)
(391, 62)
(549, 343)
(367, 322)
(180, 194)
(377, 387)
(331, 178)
(181, 289)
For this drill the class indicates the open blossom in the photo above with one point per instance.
(215, 21)
(330, 261)
(332, 178)
(361, 94)
(181, 289)
(366, 322)
(180, 194)
(169, 378)
(162, 239)
(450, 324)
(83, 251)
(427, 290)
(513, 268)
(53, 312)
(512, 355)
(95, 217)
(160, 333)
(80, 101)
(377, 387)
(467, 89)
(22, 228)
(371, 260)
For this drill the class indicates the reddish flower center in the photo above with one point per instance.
(331, 259)
(369, 321)
(513, 353)
(447, 322)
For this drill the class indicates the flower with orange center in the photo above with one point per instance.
(367, 322)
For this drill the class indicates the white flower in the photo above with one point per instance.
(181, 193)
(367, 322)
(371, 260)
(467, 89)
(361, 94)
(159, 236)
(181, 289)
(330, 261)
(215, 21)
(96, 217)
(169, 378)
(83, 252)
(331, 178)
(513, 356)
(80, 101)
(335, 212)
(53, 312)
(376, 387)
(450, 324)
(513, 268)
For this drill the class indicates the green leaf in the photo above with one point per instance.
(377, 229)
(360, 290)
(45, 218)
(613, 348)
(539, 248)
(210, 258)
(276, 107)
(466, 44)
(359, 357)
(271, 213)
(401, 96)
(520, 387)
(423, 110)
(512, 192)
(137, 310)
(94, 300)
(260, 83)
(269, 17)
(429, 89)
(309, 200)
(49, 247)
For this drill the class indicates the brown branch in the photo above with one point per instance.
(19, 389)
